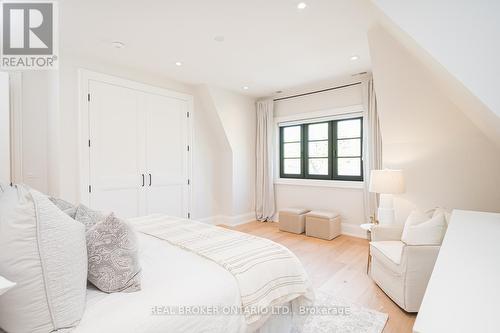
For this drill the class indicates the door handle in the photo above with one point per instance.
(143, 180)
(149, 179)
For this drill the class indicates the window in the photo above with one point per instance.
(325, 150)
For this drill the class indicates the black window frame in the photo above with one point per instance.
(333, 157)
(282, 153)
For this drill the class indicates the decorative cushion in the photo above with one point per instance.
(113, 260)
(447, 214)
(65, 206)
(43, 251)
(422, 229)
(88, 217)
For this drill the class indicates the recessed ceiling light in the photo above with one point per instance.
(354, 57)
(301, 5)
(219, 38)
(245, 88)
(118, 45)
(178, 63)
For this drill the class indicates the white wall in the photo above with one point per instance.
(347, 201)
(237, 115)
(4, 128)
(446, 159)
(213, 163)
(319, 102)
(38, 107)
(459, 41)
(462, 35)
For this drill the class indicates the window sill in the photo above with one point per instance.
(319, 183)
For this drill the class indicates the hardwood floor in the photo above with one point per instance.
(340, 267)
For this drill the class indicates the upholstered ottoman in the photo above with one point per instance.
(321, 224)
(292, 220)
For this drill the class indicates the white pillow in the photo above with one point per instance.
(446, 212)
(422, 229)
(43, 250)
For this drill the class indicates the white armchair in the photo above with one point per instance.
(402, 271)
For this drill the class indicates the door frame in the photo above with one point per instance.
(84, 78)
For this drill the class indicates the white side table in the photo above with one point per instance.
(368, 228)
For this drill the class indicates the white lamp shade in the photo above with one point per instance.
(387, 181)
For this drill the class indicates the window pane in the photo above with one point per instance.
(349, 167)
(318, 149)
(291, 150)
(318, 166)
(318, 131)
(349, 128)
(350, 147)
(292, 166)
(291, 134)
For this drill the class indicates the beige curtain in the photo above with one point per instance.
(372, 145)
(264, 187)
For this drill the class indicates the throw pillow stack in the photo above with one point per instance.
(112, 251)
(49, 256)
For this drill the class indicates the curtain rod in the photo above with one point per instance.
(317, 91)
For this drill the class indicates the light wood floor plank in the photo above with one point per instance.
(340, 267)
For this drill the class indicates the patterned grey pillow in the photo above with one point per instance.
(88, 217)
(113, 256)
(65, 206)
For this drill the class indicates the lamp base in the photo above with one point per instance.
(385, 211)
(386, 216)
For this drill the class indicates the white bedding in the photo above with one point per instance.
(170, 277)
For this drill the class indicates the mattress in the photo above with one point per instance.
(173, 280)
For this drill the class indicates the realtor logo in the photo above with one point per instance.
(29, 38)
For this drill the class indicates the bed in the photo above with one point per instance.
(177, 279)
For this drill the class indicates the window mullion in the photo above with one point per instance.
(334, 150)
(305, 151)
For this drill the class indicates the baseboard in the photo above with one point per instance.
(353, 230)
(241, 219)
(229, 220)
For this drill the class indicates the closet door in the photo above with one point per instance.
(116, 126)
(166, 155)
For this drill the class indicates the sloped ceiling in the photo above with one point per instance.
(447, 161)
(457, 40)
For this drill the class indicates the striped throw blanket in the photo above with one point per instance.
(267, 273)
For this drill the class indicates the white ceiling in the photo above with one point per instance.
(269, 44)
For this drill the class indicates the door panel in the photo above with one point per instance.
(117, 140)
(166, 155)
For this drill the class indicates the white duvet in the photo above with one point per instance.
(170, 277)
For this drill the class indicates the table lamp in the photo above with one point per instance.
(386, 182)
